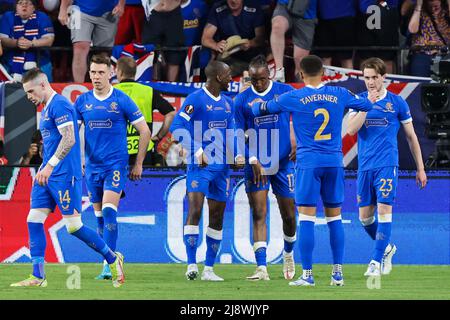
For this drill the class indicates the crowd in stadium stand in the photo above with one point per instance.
(230, 30)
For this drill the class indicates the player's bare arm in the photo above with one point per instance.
(144, 139)
(355, 122)
(414, 146)
(65, 145)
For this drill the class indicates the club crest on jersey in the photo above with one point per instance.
(113, 107)
(88, 107)
(389, 107)
(189, 109)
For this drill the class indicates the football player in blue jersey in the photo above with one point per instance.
(105, 112)
(202, 124)
(272, 134)
(58, 181)
(378, 161)
(317, 114)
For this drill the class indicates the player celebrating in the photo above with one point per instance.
(282, 180)
(317, 113)
(105, 112)
(206, 111)
(58, 181)
(378, 161)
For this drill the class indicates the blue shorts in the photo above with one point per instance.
(113, 180)
(327, 183)
(64, 194)
(213, 184)
(282, 182)
(377, 185)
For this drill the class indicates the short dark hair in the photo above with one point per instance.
(32, 74)
(311, 65)
(259, 62)
(101, 58)
(34, 2)
(374, 63)
(128, 67)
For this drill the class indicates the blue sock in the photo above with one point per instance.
(213, 240)
(110, 231)
(289, 243)
(260, 248)
(306, 241)
(100, 223)
(37, 247)
(337, 239)
(382, 240)
(190, 241)
(371, 226)
(93, 240)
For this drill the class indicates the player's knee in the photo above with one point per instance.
(73, 224)
(37, 216)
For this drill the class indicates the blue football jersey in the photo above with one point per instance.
(377, 138)
(245, 119)
(317, 115)
(204, 120)
(57, 114)
(105, 131)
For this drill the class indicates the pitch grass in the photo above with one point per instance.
(167, 282)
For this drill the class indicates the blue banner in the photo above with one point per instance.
(152, 214)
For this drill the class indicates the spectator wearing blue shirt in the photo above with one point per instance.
(387, 34)
(336, 27)
(22, 32)
(91, 22)
(300, 16)
(242, 18)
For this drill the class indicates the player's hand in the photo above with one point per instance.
(259, 176)
(421, 178)
(118, 10)
(43, 175)
(63, 17)
(136, 172)
(239, 162)
(373, 95)
(245, 81)
(220, 46)
(33, 150)
(293, 154)
(202, 160)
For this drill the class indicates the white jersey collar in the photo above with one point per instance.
(318, 87)
(106, 97)
(262, 94)
(50, 99)
(211, 95)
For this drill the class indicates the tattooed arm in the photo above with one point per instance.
(65, 145)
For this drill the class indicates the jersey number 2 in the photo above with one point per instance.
(326, 118)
